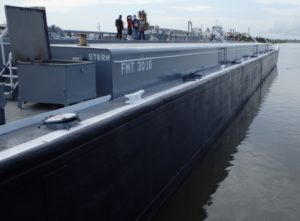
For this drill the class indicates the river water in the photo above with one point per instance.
(252, 172)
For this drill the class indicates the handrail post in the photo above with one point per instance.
(10, 70)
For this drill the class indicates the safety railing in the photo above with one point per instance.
(7, 72)
(2, 46)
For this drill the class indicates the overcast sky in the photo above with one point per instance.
(268, 18)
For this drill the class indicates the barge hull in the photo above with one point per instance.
(122, 168)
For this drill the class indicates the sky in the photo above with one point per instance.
(267, 18)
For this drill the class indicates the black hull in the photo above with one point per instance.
(124, 167)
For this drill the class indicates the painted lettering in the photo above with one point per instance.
(99, 57)
(144, 65)
(127, 67)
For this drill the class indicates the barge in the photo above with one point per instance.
(158, 108)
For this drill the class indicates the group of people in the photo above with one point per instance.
(136, 27)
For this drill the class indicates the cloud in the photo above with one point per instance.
(279, 2)
(59, 5)
(195, 8)
(69, 5)
(283, 15)
(282, 12)
(280, 30)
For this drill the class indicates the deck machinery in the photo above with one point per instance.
(41, 78)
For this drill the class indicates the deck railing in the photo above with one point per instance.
(2, 45)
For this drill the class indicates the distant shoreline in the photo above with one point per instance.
(275, 41)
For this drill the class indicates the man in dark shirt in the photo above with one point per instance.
(120, 27)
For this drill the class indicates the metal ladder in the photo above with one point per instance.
(219, 36)
(8, 73)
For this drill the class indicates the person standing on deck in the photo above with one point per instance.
(119, 26)
(129, 27)
(142, 24)
(136, 25)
